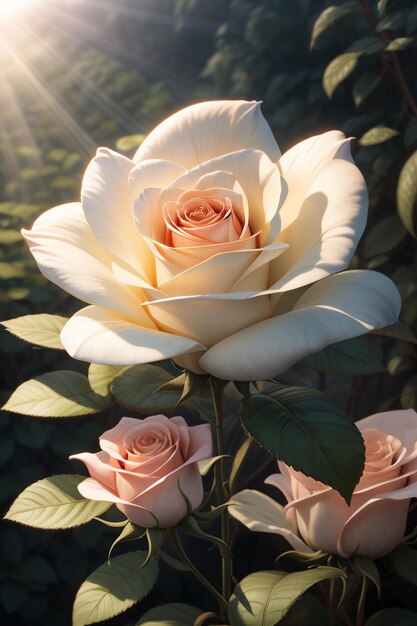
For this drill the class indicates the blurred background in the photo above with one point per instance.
(78, 74)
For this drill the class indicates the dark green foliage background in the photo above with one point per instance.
(81, 74)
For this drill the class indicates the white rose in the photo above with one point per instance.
(210, 248)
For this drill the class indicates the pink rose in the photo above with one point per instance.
(147, 467)
(316, 516)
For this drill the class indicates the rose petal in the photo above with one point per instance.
(152, 173)
(69, 255)
(98, 335)
(202, 132)
(338, 307)
(401, 424)
(324, 213)
(98, 467)
(106, 204)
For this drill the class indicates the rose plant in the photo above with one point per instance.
(211, 248)
(149, 469)
(317, 518)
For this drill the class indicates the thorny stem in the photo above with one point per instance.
(221, 489)
(176, 541)
(395, 68)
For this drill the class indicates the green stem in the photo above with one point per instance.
(176, 541)
(221, 489)
(361, 604)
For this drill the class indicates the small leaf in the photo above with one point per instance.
(238, 461)
(364, 86)
(41, 329)
(400, 43)
(407, 194)
(352, 356)
(129, 532)
(376, 135)
(190, 526)
(173, 562)
(328, 17)
(410, 133)
(57, 394)
(100, 377)
(338, 70)
(364, 566)
(129, 142)
(397, 331)
(367, 45)
(303, 428)
(205, 465)
(174, 614)
(391, 617)
(403, 562)
(193, 384)
(114, 587)
(386, 235)
(136, 389)
(393, 21)
(266, 597)
(55, 502)
(408, 397)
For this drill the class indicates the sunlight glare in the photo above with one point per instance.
(7, 7)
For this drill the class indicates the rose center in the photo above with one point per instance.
(201, 218)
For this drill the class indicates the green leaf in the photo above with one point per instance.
(407, 194)
(129, 532)
(410, 133)
(11, 270)
(135, 388)
(397, 331)
(376, 135)
(114, 587)
(385, 236)
(264, 598)
(41, 329)
(393, 21)
(367, 45)
(238, 462)
(338, 70)
(364, 566)
(100, 377)
(382, 7)
(412, 21)
(393, 617)
(303, 428)
(174, 614)
(352, 356)
(9, 237)
(307, 610)
(400, 43)
(57, 394)
(403, 562)
(129, 142)
(364, 86)
(193, 384)
(173, 562)
(328, 17)
(55, 502)
(408, 397)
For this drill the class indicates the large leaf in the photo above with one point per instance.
(264, 598)
(135, 388)
(376, 135)
(55, 502)
(403, 561)
(303, 428)
(114, 587)
(393, 617)
(174, 614)
(407, 194)
(56, 394)
(41, 329)
(329, 16)
(352, 356)
(338, 70)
